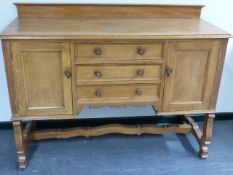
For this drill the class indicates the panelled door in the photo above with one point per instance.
(190, 74)
(42, 77)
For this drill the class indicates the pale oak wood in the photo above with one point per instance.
(141, 60)
(117, 72)
(204, 137)
(118, 92)
(110, 129)
(40, 84)
(117, 104)
(222, 53)
(208, 125)
(118, 51)
(187, 112)
(123, 102)
(29, 126)
(20, 144)
(108, 28)
(195, 128)
(73, 79)
(107, 61)
(108, 10)
(10, 74)
(117, 95)
(194, 63)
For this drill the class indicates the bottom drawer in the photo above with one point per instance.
(119, 92)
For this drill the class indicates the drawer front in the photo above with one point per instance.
(106, 92)
(118, 72)
(118, 51)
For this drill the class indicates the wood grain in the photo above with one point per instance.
(118, 51)
(41, 87)
(10, 74)
(117, 104)
(111, 28)
(193, 63)
(20, 144)
(219, 70)
(60, 58)
(203, 137)
(108, 10)
(107, 92)
(117, 73)
(109, 129)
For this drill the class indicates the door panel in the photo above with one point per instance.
(193, 67)
(41, 87)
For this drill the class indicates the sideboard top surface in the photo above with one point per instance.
(76, 22)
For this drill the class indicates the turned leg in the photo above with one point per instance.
(203, 137)
(207, 135)
(20, 144)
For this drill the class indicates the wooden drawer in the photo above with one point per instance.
(118, 51)
(107, 92)
(117, 72)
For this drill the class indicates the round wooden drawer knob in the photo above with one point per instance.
(98, 74)
(138, 92)
(98, 51)
(98, 93)
(140, 72)
(141, 51)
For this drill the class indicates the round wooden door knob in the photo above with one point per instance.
(168, 71)
(67, 74)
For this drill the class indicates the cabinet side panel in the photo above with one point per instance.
(217, 81)
(9, 74)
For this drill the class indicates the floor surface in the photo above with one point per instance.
(122, 155)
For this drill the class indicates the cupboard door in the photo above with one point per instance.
(190, 74)
(39, 74)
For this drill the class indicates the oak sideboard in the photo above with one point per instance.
(60, 58)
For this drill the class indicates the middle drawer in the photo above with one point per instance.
(117, 72)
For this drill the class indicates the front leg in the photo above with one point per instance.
(20, 144)
(207, 135)
(203, 137)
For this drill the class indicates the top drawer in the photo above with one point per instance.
(118, 51)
